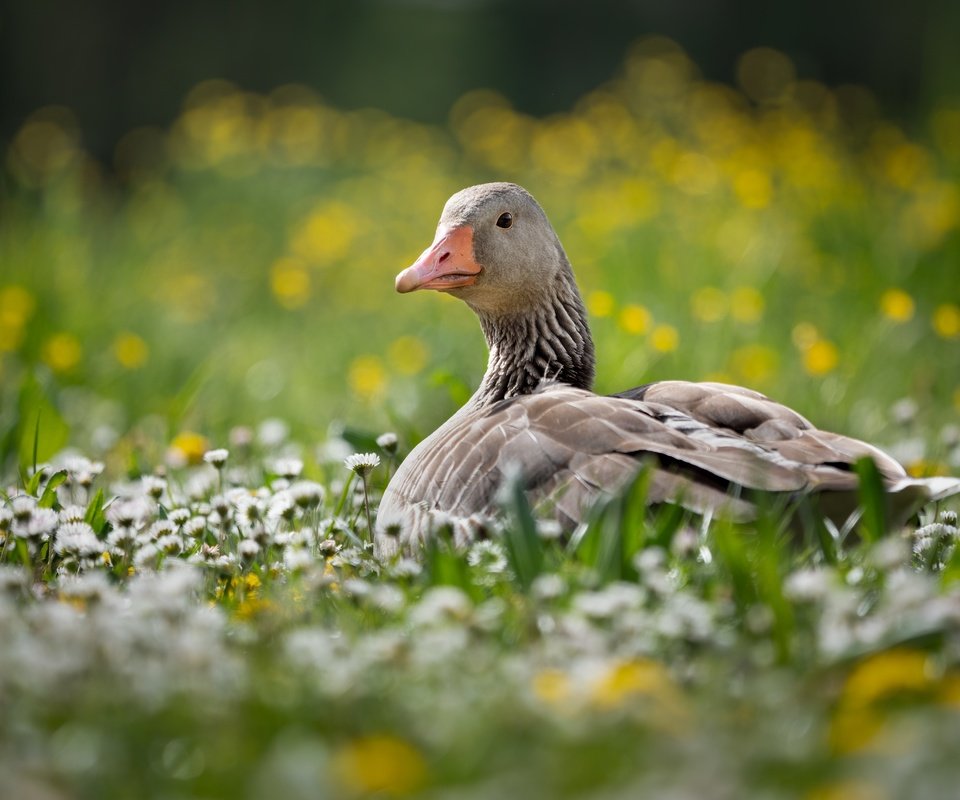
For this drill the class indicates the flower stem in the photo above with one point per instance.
(366, 506)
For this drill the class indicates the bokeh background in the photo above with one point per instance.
(203, 206)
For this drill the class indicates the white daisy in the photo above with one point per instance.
(361, 463)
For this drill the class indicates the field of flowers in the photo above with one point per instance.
(195, 338)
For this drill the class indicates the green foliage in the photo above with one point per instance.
(40, 429)
(873, 500)
(521, 541)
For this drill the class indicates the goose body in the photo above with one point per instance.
(711, 446)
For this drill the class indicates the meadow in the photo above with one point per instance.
(195, 337)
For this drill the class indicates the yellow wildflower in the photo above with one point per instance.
(821, 357)
(367, 376)
(949, 694)
(380, 763)
(190, 446)
(888, 673)
(897, 305)
(846, 790)
(327, 234)
(746, 304)
(552, 686)
(709, 304)
(11, 337)
(755, 362)
(665, 338)
(251, 606)
(16, 306)
(600, 303)
(62, 352)
(408, 354)
(635, 319)
(859, 718)
(130, 350)
(628, 679)
(290, 282)
(946, 321)
(753, 188)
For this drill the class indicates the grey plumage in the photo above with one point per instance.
(710, 445)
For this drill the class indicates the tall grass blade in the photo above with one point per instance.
(873, 500)
(523, 545)
(36, 440)
(49, 497)
(96, 517)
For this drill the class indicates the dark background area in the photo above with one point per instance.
(119, 64)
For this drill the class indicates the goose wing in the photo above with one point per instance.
(708, 445)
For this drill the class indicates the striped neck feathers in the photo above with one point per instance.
(549, 342)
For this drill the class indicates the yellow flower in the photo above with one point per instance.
(946, 320)
(564, 146)
(16, 306)
(846, 790)
(627, 679)
(887, 673)
(327, 234)
(709, 304)
(62, 352)
(897, 305)
(367, 376)
(635, 319)
(11, 337)
(755, 362)
(860, 717)
(290, 282)
(821, 357)
(408, 354)
(190, 446)
(922, 468)
(600, 303)
(552, 686)
(380, 763)
(251, 606)
(746, 304)
(949, 694)
(753, 188)
(130, 350)
(665, 338)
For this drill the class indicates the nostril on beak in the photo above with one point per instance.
(444, 257)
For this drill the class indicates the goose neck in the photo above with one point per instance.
(550, 342)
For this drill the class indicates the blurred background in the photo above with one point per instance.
(202, 207)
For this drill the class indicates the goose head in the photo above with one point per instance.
(494, 249)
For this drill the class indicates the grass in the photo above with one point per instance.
(179, 627)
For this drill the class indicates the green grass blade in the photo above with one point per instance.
(520, 538)
(49, 497)
(96, 517)
(873, 524)
(36, 440)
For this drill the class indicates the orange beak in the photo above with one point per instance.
(446, 264)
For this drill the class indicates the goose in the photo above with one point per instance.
(712, 447)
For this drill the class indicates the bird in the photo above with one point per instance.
(711, 447)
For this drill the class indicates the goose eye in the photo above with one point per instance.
(505, 220)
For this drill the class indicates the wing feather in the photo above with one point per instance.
(708, 443)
